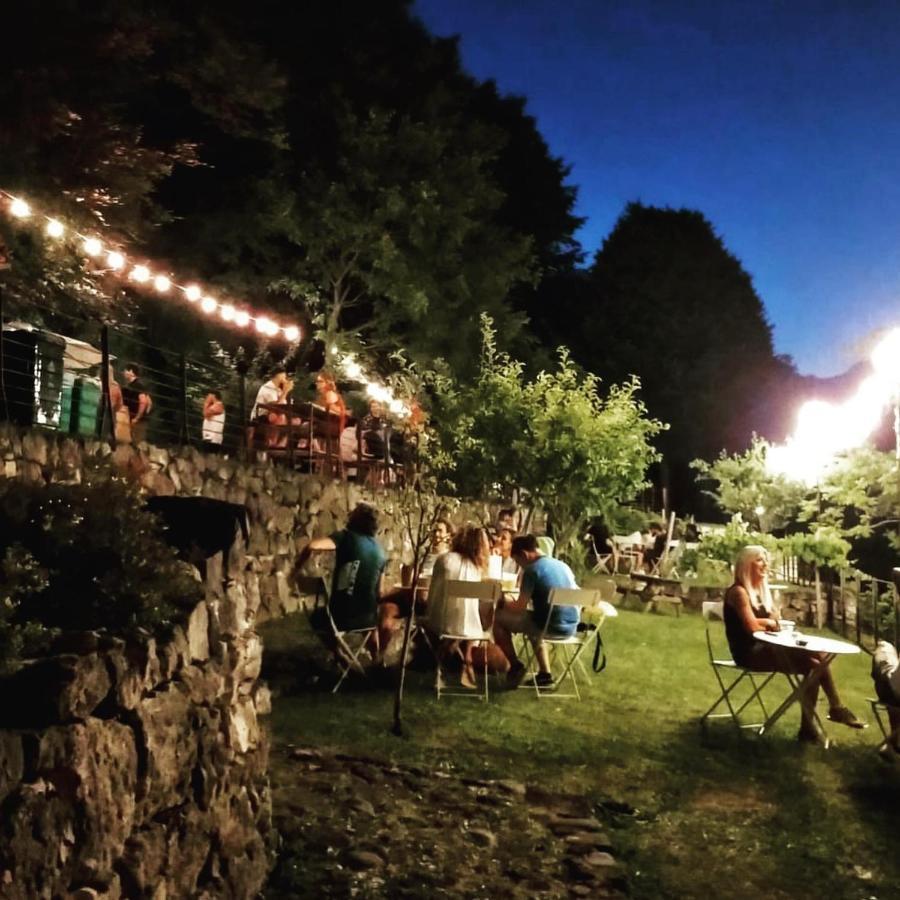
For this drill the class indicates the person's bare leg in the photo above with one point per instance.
(542, 657)
(467, 676)
(503, 640)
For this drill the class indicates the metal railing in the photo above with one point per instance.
(866, 609)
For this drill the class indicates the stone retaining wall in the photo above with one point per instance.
(138, 768)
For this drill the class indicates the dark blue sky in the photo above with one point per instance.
(780, 121)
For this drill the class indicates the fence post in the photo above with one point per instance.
(843, 605)
(875, 613)
(106, 410)
(858, 604)
(184, 405)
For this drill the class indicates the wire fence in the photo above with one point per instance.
(69, 375)
(866, 609)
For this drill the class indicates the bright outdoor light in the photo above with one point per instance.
(92, 247)
(208, 305)
(20, 209)
(192, 292)
(263, 325)
(140, 274)
(292, 333)
(55, 228)
(242, 318)
(115, 260)
(886, 357)
(760, 510)
(396, 407)
(227, 312)
(161, 283)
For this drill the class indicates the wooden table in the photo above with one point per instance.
(306, 426)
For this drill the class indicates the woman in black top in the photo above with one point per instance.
(748, 608)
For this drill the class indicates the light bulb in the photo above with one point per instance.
(292, 333)
(208, 305)
(192, 292)
(242, 318)
(161, 283)
(227, 312)
(92, 247)
(115, 260)
(140, 274)
(20, 209)
(55, 229)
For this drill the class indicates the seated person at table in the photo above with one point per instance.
(374, 431)
(467, 561)
(503, 548)
(886, 675)
(540, 574)
(441, 540)
(506, 518)
(265, 422)
(747, 609)
(654, 545)
(357, 583)
(328, 397)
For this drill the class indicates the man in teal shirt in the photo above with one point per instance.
(357, 583)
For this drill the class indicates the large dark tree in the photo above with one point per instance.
(665, 300)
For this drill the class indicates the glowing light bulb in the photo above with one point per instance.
(140, 274)
(353, 370)
(262, 324)
(20, 209)
(192, 292)
(92, 247)
(208, 305)
(55, 229)
(115, 260)
(242, 318)
(292, 333)
(227, 312)
(161, 283)
(886, 356)
(396, 407)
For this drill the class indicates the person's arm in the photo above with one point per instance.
(315, 545)
(212, 407)
(740, 602)
(143, 403)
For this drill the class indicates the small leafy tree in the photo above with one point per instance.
(716, 551)
(744, 485)
(571, 450)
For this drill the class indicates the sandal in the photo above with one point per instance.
(467, 677)
(843, 716)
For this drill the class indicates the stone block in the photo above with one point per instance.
(34, 447)
(12, 762)
(198, 633)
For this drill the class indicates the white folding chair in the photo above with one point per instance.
(348, 645)
(890, 735)
(728, 676)
(460, 591)
(572, 646)
(602, 561)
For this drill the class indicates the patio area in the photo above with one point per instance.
(684, 816)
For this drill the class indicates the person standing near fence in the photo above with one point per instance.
(121, 416)
(138, 402)
(213, 431)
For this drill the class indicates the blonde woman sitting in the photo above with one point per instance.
(748, 608)
(466, 561)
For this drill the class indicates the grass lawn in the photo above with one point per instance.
(728, 816)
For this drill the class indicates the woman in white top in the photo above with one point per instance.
(467, 561)
(213, 430)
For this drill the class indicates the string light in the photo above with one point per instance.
(19, 208)
(141, 274)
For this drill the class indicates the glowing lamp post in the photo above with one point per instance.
(886, 362)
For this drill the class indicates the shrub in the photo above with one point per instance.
(83, 557)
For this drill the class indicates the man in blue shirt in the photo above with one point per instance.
(540, 574)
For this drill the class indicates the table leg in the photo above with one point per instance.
(802, 685)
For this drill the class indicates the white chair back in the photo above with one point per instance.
(473, 590)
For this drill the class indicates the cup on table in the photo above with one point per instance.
(508, 582)
(787, 626)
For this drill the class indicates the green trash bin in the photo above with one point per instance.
(65, 402)
(86, 405)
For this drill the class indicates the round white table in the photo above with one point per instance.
(789, 642)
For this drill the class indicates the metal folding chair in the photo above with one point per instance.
(891, 736)
(728, 676)
(570, 647)
(603, 562)
(348, 645)
(483, 592)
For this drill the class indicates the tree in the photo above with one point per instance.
(666, 301)
(573, 451)
(744, 485)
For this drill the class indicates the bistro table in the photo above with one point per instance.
(785, 644)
